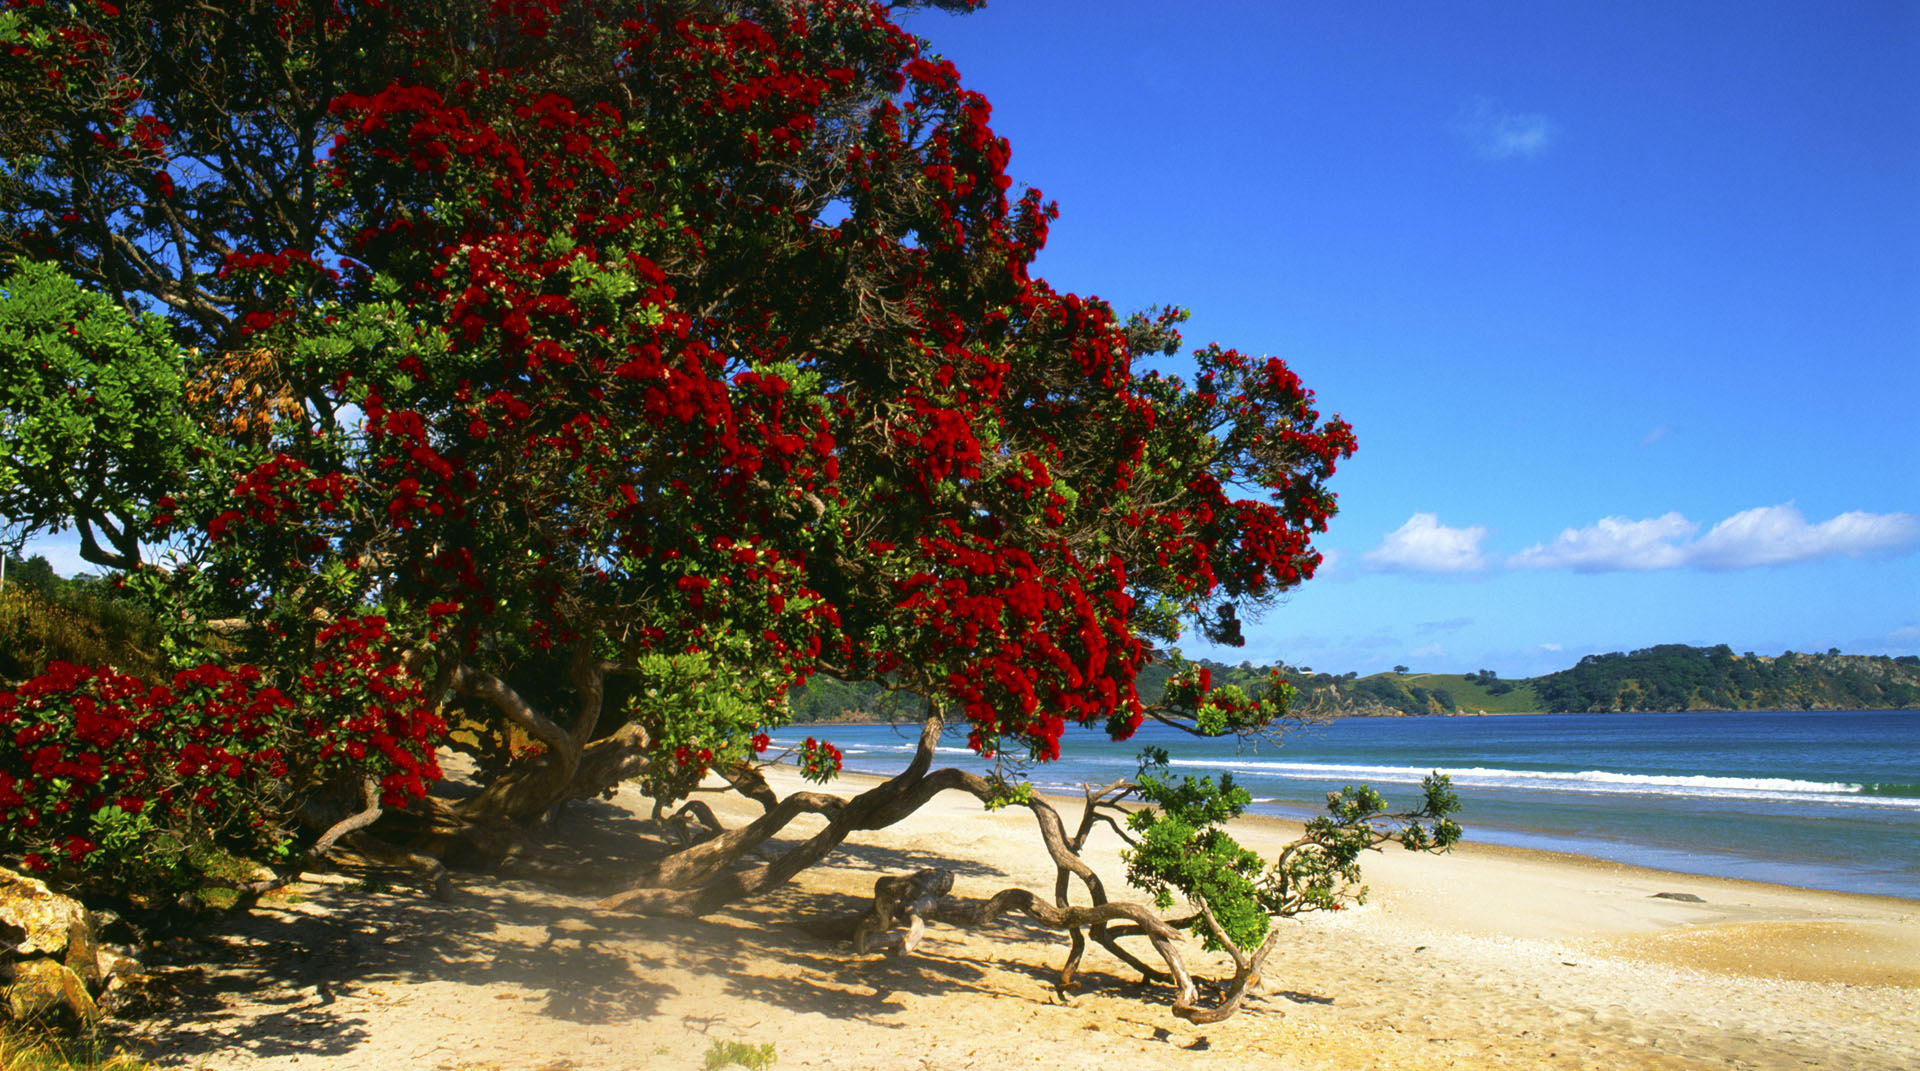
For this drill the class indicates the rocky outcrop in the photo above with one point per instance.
(52, 962)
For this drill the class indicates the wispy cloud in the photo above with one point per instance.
(1612, 544)
(1499, 133)
(1765, 535)
(1655, 435)
(1776, 535)
(1424, 545)
(1449, 625)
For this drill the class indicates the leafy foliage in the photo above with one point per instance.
(1318, 871)
(92, 431)
(1183, 850)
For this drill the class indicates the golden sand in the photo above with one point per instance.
(1485, 958)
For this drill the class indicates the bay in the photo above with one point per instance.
(1821, 799)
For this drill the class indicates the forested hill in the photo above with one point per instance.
(1661, 678)
(1675, 677)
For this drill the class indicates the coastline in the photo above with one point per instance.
(1690, 710)
(1504, 891)
(1707, 794)
(1487, 957)
(876, 719)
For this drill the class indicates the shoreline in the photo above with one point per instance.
(1723, 817)
(1272, 829)
(1773, 871)
(875, 719)
(1559, 846)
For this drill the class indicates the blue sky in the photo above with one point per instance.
(1622, 300)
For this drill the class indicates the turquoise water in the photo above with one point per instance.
(1825, 799)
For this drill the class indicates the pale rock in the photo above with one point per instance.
(44, 920)
(40, 986)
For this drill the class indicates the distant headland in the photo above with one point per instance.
(1667, 677)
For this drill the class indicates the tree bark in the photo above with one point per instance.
(671, 887)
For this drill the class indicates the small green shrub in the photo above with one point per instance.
(753, 1057)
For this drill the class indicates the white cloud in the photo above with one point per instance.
(1431, 650)
(1655, 435)
(1551, 647)
(1424, 545)
(1614, 543)
(1777, 535)
(1766, 535)
(1498, 133)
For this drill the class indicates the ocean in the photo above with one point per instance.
(1821, 799)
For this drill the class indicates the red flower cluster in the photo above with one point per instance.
(363, 715)
(85, 743)
(214, 753)
(819, 760)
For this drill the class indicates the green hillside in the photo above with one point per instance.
(1669, 677)
(44, 618)
(1441, 693)
(1678, 677)
(1662, 678)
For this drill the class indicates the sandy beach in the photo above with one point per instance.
(1484, 958)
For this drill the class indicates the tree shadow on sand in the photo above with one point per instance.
(599, 846)
(345, 939)
(790, 950)
(277, 982)
(807, 932)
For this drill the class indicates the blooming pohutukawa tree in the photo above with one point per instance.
(605, 370)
